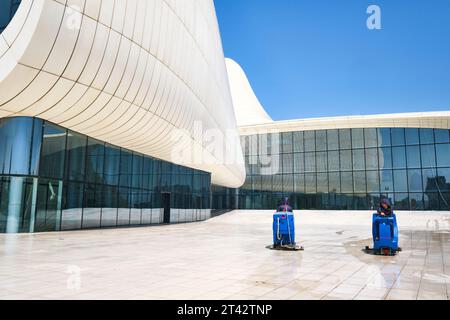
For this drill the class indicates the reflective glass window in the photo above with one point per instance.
(345, 157)
(398, 136)
(412, 136)
(386, 181)
(358, 159)
(345, 139)
(443, 155)
(413, 156)
(333, 160)
(442, 180)
(16, 136)
(426, 136)
(357, 138)
(333, 139)
(8, 9)
(373, 182)
(371, 159)
(126, 168)
(298, 141)
(401, 201)
(299, 183)
(311, 183)
(321, 140)
(76, 156)
(441, 136)
(53, 151)
(112, 165)
(310, 162)
(95, 161)
(359, 182)
(385, 158)
(286, 142)
(414, 180)
(416, 201)
(288, 164)
(428, 155)
(299, 162)
(370, 138)
(400, 181)
(277, 183)
(334, 180)
(137, 171)
(430, 180)
(322, 161)
(384, 137)
(399, 157)
(288, 183)
(346, 182)
(310, 140)
(322, 182)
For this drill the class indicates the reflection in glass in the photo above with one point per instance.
(443, 155)
(415, 180)
(441, 136)
(398, 136)
(372, 159)
(358, 160)
(370, 138)
(310, 141)
(384, 137)
(333, 139)
(400, 181)
(345, 140)
(413, 156)
(428, 155)
(386, 181)
(385, 158)
(357, 138)
(298, 141)
(359, 180)
(399, 157)
(426, 136)
(412, 136)
(373, 182)
(321, 140)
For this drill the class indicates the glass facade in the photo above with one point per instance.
(54, 179)
(348, 169)
(7, 10)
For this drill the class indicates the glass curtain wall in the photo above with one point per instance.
(7, 10)
(348, 169)
(54, 179)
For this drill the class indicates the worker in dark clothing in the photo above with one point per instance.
(385, 210)
(285, 207)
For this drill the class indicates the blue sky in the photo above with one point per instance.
(314, 58)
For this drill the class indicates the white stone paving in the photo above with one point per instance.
(226, 258)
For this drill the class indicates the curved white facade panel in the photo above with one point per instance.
(133, 73)
(247, 108)
(434, 120)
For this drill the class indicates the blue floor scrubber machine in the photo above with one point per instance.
(385, 235)
(284, 231)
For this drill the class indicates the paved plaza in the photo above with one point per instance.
(226, 258)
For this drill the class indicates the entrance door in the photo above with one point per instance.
(165, 201)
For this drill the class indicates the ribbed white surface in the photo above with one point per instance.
(434, 120)
(128, 72)
(247, 108)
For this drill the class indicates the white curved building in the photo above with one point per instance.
(148, 76)
(247, 108)
(112, 113)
